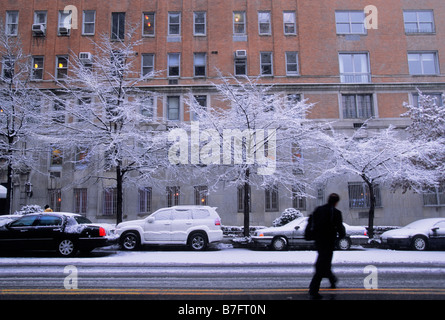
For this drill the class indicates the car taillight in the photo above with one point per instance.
(102, 232)
(366, 233)
(217, 222)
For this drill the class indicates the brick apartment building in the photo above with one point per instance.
(317, 50)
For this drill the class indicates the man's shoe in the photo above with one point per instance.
(315, 296)
(334, 281)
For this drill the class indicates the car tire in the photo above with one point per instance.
(197, 241)
(279, 244)
(66, 248)
(344, 244)
(130, 241)
(419, 243)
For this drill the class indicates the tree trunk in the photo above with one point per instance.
(119, 206)
(246, 205)
(371, 210)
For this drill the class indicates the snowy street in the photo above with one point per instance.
(222, 273)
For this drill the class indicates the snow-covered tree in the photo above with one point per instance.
(19, 108)
(377, 156)
(251, 135)
(104, 117)
(427, 127)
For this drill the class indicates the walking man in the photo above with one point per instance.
(327, 224)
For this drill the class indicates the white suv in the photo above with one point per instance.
(195, 226)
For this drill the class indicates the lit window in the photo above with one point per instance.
(148, 24)
(239, 23)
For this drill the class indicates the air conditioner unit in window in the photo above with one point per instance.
(240, 54)
(86, 57)
(63, 31)
(38, 30)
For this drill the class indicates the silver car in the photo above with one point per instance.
(292, 235)
(418, 235)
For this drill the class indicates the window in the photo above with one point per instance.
(271, 199)
(435, 197)
(40, 17)
(202, 101)
(354, 68)
(289, 23)
(199, 64)
(199, 23)
(201, 195)
(266, 63)
(56, 157)
(145, 200)
(174, 23)
(110, 202)
(239, 23)
(423, 63)
(174, 60)
(80, 200)
(240, 66)
(55, 199)
(264, 25)
(173, 108)
(148, 61)
(148, 24)
(37, 68)
(146, 107)
(64, 28)
(59, 110)
(292, 63)
(172, 196)
(359, 196)
(89, 22)
(436, 96)
(48, 220)
(61, 67)
(357, 106)
(350, 22)
(118, 26)
(241, 199)
(421, 21)
(8, 68)
(298, 202)
(12, 23)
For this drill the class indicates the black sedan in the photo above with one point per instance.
(64, 232)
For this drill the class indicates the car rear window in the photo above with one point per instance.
(49, 221)
(201, 213)
(82, 220)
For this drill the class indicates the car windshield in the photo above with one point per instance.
(82, 220)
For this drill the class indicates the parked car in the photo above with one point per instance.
(195, 226)
(64, 232)
(418, 235)
(292, 235)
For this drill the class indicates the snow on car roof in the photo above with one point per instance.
(423, 223)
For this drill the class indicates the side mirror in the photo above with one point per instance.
(150, 219)
(297, 227)
(435, 229)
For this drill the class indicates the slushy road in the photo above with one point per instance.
(96, 277)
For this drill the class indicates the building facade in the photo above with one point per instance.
(352, 60)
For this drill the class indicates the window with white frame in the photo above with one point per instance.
(423, 63)
(117, 25)
(419, 21)
(239, 23)
(40, 17)
(350, 22)
(354, 68)
(264, 23)
(174, 23)
(37, 68)
(174, 60)
(199, 23)
(357, 106)
(266, 63)
(289, 23)
(199, 64)
(61, 67)
(145, 200)
(148, 24)
(146, 107)
(89, 22)
(12, 23)
(148, 61)
(202, 102)
(240, 65)
(64, 27)
(292, 63)
(173, 108)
